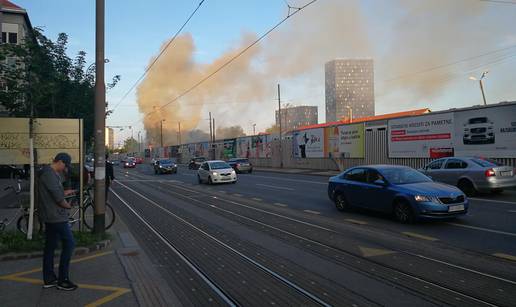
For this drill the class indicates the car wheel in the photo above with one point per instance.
(467, 187)
(199, 179)
(209, 180)
(341, 203)
(155, 172)
(403, 212)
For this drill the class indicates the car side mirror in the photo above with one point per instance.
(380, 182)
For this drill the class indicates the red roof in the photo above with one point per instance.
(369, 118)
(9, 4)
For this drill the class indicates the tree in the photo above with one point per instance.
(39, 78)
(274, 129)
(130, 145)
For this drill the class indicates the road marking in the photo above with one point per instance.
(117, 291)
(416, 235)
(256, 198)
(293, 180)
(505, 256)
(493, 200)
(312, 212)
(512, 211)
(372, 252)
(484, 229)
(356, 221)
(280, 205)
(275, 187)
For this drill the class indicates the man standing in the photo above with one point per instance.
(53, 211)
(110, 175)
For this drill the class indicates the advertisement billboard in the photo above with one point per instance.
(428, 136)
(489, 132)
(308, 143)
(351, 141)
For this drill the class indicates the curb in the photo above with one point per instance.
(76, 252)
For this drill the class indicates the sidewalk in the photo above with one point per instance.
(297, 171)
(120, 275)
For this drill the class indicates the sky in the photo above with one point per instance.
(413, 43)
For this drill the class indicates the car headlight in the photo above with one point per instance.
(233, 172)
(161, 166)
(215, 173)
(429, 199)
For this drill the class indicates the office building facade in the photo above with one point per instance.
(297, 116)
(349, 89)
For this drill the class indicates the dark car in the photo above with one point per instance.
(399, 190)
(241, 165)
(130, 163)
(165, 166)
(196, 162)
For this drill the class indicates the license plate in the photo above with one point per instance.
(506, 174)
(226, 179)
(456, 208)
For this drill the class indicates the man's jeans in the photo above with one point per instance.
(53, 233)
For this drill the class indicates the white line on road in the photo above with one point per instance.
(293, 180)
(512, 211)
(280, 205)
(493, 200)
(275, 187)
(484, 229)
(312, 212)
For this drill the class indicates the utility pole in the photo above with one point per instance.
(254, 129)
(139, 143)
(482, 89)
(100, 122)
(161, 132)
(213, 130)
(179, 124)
(280, 136)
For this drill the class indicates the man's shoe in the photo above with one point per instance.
(66, 285)
(50, 284)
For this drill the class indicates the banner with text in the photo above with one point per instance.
(308, 143)
(428, 136)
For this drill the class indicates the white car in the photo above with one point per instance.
(216, 172)
(479, 130)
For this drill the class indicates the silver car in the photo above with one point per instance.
(216, 172)
(472, 175)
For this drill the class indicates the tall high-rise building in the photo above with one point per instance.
(293, 117)
(110, 138)
(349, 89)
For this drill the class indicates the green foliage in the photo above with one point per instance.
(130, 145)
(48, 81)
(13, 242)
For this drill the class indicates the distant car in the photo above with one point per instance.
(165, 166)
(216, 172)
(241, 165)
(478, 130)
(130, 163)
(138, 160)
(196, 162)
(115, 162)
(471, 174)
(399, 190)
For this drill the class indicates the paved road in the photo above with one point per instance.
(276, 239)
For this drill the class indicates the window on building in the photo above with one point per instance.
(4, 37)
(13, 38)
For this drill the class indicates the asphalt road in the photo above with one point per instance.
(276, 239)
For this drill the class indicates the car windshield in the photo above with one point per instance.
(219, 165)
(486, 163)
(243, 160)
(165, 162)
(404, 176)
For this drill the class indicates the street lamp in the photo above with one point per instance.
(481, 84)
(254, 129)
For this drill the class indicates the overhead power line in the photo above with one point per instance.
(193, 87)
(159, 55)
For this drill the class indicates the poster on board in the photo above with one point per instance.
(351, 141)
(489, 132)
(428, 136)
(308, 143)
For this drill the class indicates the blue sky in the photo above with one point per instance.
(135, 31)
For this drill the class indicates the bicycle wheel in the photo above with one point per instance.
(89, 213)
(23, 224)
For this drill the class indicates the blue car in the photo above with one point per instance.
(399, 190)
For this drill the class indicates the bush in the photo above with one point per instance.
(15, 242)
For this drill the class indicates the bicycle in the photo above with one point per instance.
(19, 217)
(88, 212)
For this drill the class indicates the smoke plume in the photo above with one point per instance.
(402, 36)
